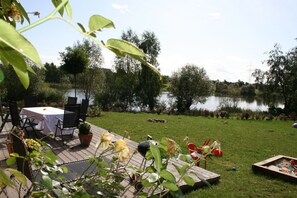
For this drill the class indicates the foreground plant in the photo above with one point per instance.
(15, 48)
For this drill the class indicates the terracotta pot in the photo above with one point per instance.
(85, 139)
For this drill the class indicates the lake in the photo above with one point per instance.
(211, 104)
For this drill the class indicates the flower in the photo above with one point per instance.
(171, 147)
(122, 150)
(13, 12)
(32, 145)
(105, 140)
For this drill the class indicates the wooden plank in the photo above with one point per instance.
(72, 151)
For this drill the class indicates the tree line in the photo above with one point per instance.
(131, 84)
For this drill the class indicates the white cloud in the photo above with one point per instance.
(121, 8)
(215, 15)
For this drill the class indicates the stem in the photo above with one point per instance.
(48, 17)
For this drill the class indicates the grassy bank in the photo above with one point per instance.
(244, 142)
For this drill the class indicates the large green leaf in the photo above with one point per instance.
(5, 180)
(146, 63)
(168, 176)
(16, 41)
(97, 22)
(20, 176)
(157, 157)
(10, 56)
(189, 180)
(124, 46)
(170, 186)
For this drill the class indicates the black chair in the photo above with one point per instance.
(70, 121)
(72, 100)
(21, 123)
(84, 110)
(30, 101)
(23, 165)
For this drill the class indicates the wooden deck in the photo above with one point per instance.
(72, 151)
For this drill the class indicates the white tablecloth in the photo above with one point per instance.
(47, 116)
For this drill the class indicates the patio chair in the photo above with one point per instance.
(20, 148)
(71, 100)
(30, 101)
(21, 123)
(69, 122)
(84, 110)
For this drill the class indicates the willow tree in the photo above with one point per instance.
(150, 83)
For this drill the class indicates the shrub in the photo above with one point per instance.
(84, 128)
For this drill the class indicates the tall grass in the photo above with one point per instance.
(244, 142)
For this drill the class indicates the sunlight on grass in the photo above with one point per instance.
(243, 143)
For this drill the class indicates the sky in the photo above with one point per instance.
(228, 38)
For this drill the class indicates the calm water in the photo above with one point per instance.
(212, 103)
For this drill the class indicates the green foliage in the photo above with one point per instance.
(84, 128)
(190, 84)
(281, 76)
(53, 74)
(133, 83)
(48, 95)
(243, 142)
(17, 48)
(74, 60)
(91, 80)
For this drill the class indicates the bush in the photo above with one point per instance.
(84, 128)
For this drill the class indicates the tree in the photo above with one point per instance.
(74, 61)
(126, 74)
(92, 78)
(190, 84)
(53, 74)
(281, 76)
(150, 84)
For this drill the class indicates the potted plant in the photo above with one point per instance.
(85, 135)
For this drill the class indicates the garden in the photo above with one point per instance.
(244, 142)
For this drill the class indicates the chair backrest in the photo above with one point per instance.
(84, 109)
(71, 116)
(71, 100)
(14, 113)
(20, 148)
(30, 101)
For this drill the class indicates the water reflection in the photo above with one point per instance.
(212, 102)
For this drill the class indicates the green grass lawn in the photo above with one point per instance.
(244, 142)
